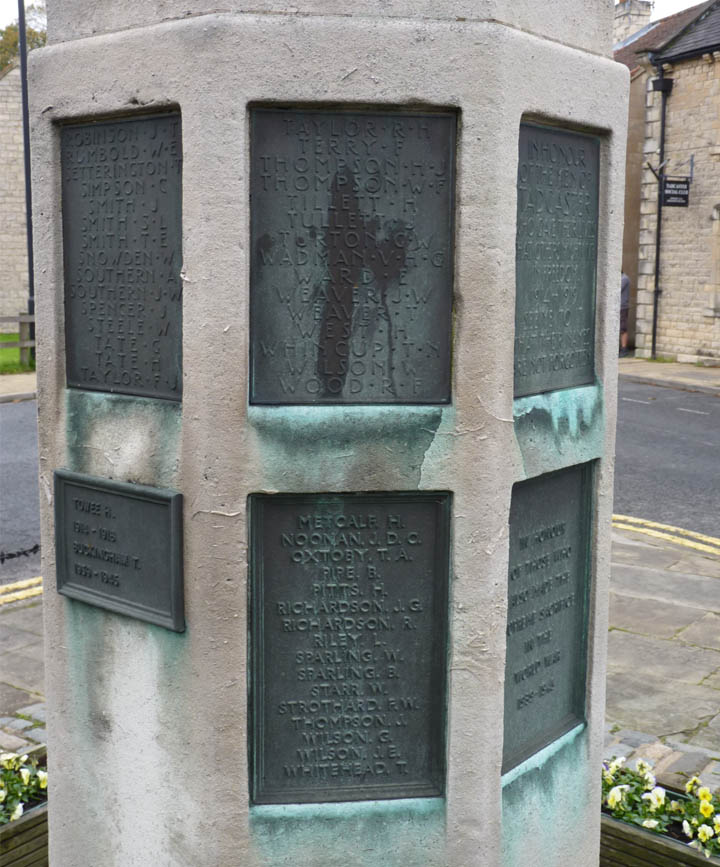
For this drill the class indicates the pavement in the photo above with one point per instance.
(663, 681)
(672, 374)
(18, 386)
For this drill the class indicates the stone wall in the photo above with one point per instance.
(630, 16)
(13, 243)
(688, 314)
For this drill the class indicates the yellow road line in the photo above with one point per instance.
(20, 585)
(686, 543)
(711, 540)
(21, 594)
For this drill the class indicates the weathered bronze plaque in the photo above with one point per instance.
(122, 243)
(352, 256)
(119, 546)
(547, 610)
(556, 253)
(349, 635)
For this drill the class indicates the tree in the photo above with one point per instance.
(35, 34)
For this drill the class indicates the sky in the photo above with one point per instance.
(8, 8)
(8, 11)
(661, 8)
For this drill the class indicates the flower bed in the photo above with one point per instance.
(23, 809)
(645, 825)
(25, 841)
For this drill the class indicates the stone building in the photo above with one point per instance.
(675, 272)
(13, 241)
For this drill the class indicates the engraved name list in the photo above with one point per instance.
(351, 269)
(122, 248)
(556, 251)
(349, 639)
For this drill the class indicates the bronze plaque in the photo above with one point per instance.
(119, 546)
(122, 245)
(349, 635)
(548, 581)
(352, 256)
(556, 253)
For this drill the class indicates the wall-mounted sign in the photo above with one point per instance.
(676, 192)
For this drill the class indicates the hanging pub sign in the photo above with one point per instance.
(676, 192)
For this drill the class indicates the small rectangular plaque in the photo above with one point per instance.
(119, 546)
(122, 245)
(556, 254)
(676, 192)
(349, 634)
(352, 222)
(548, 582)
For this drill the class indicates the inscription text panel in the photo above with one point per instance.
(547, 610)
(349, 634)
(352, 249)
(122, 245)
(556, 253)
(119, 546)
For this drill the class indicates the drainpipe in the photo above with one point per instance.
(664, 85)
(26, 145)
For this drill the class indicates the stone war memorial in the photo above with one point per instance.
(327, 322)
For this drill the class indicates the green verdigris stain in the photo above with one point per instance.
(94, 638)
(560, 428)
(547, 800)
(90, 656)
(321, 447)
(402, 833)
(117, 436)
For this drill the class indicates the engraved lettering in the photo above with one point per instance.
(122, 250)
(556, 250)
(351, 242)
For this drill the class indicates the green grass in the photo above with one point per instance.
(10, 357)
(661, 359)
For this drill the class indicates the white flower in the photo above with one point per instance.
(616, 764)
(16, 813)
(25, 775)
(687, 830)
(705, 832)
(643, 767)
(615, 796)
(3, 793)
(650, 780)
(42, 779)
(650, 823)
(656, 797)
(7, 760)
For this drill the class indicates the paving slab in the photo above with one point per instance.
(703, 633)
(12, 638)
(650, 616)
(694, 591)
(24, 615)
(657, 706)
(23, 672)
(713, 682)
(677, 773)
(708, 736)
(699, 564)
(12, 698)
(670, 660)
(36, 711)
(12, 743)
